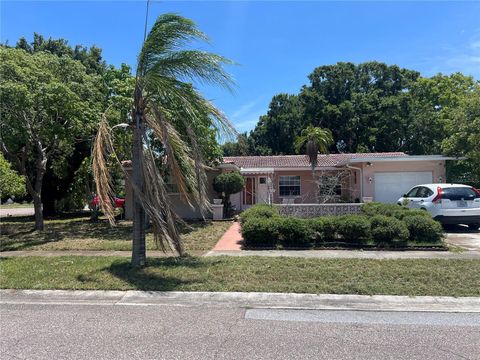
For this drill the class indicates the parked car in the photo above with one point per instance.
(118, 202)
(447, 203)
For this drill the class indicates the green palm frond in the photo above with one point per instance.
(162, 54)
(169, 32)
(315, 140)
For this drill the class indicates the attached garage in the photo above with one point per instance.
(389, 186)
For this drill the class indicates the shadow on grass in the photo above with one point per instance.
(155, 276)
(21, 236)
(59, 216)
(18, 234)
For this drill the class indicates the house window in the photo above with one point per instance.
(289, 185)
(263, 180)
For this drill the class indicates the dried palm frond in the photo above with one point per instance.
(102, 148)
(154, 200)
(178, 155)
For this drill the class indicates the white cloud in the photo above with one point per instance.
(244, 109)
(246, 117)
(464, 58)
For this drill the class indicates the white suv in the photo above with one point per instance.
(447, 203)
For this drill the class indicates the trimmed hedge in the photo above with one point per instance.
(260, 211)
(324, 229)
(397, 211)
(259, 232)
(423, 229)
(379, 224)
(375, 208)
(353, 228)
(273, 231)
(293, 232)
(387, 230)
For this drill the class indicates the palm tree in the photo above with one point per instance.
(315, 140)
(165, 109)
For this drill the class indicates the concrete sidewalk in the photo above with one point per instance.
(352, 254)
(242, 299)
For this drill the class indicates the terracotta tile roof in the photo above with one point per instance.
(284, 161)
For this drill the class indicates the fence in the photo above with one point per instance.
(315, 210)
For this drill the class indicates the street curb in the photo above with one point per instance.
(243, 299)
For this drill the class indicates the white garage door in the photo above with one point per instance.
(390, 186)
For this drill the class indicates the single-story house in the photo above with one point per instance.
(359, 177)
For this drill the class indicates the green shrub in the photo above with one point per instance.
(259, 211)
(323, 228)
(396, 211)
(293, 232)
(388, 231)
(423, 229)
(401, 214)
(259, 232)
(353, 228)
(227, 184)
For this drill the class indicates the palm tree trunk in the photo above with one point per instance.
(315, 186)
(138, 244)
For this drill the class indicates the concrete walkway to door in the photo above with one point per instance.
(231, 240)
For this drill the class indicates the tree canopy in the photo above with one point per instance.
(62, 186)
(48, 103)
(10, 182)
(372, 107)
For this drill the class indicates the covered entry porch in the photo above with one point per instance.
(258, 189)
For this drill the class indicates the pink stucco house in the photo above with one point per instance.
(288, 179)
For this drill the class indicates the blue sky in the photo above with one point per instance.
(275, 43)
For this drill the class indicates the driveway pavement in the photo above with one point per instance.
(463, 237)
(177, 330)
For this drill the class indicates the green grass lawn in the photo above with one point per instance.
(336, 276)
(79, 233)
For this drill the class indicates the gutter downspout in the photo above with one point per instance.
(361, 179)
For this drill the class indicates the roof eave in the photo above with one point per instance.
(404, 158)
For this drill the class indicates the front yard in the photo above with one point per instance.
(195, 273)
(336, 276)
(79, 233)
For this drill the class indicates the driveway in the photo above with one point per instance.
(463, 237)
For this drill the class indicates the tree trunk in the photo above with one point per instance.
(37, 206)
(138, 244)
(33, 188)
(316, 186)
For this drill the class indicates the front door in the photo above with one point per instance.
(262, 192)
(249, 191)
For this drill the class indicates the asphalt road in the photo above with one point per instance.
(46, 331)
